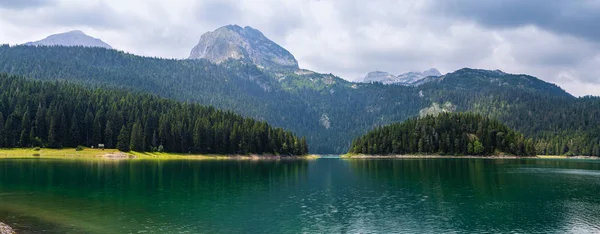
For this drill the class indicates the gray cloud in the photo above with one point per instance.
(24, 4)
(577, 18)
(218, 12)
(553, 40)
(98, 15)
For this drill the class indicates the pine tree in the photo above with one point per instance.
(40, 123)
(52, 135)
(24, 140)
(108, 135)
(74, 132)
(2, 132)
(123, 140)
(10, 131)
(88, 122)
(97, 130)
(136, 142)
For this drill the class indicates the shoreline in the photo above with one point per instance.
(113, 154)
(408, 156)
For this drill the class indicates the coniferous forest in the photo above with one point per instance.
(325, 109)
(445, 134)
(57, 114)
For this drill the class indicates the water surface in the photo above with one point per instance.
(328, 195)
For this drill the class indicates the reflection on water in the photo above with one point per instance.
(298, 196)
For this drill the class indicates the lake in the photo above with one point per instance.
(327, 195)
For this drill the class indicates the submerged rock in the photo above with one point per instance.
(5, 229)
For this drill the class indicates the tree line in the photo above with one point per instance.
(57, 114)
(558, 122)
(445, 134)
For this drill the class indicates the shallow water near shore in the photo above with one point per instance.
(326, 195)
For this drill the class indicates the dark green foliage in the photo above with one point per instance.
(137, 140)
(559, 124)
(143, 122)
(297, 102)
(445, 134)
(300, 101)
(123, 140)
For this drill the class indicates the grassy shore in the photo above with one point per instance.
(364, 156)
(113, 154)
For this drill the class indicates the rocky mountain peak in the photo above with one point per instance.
(431, 72)
(71, 38)
(407, 79)
(243, 43)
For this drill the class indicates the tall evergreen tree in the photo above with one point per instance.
(74, 131)
(109, 135)
(137, 140)
(123, 140)
(2, 132)
(53, 141)
(24, 140)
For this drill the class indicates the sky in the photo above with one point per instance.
(555, 40)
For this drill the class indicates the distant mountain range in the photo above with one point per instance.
(72, 38)
(238, 69)
(406, 79)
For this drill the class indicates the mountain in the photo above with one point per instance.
(326, 109)
(246, 44)
(406, 79)
(72, 38)
(379, 76)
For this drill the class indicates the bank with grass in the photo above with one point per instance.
(115, 154)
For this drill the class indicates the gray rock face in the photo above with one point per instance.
(72, 38)
(407, 79)
(248, 44)
(379, 76)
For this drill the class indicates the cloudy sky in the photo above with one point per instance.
(555, 40)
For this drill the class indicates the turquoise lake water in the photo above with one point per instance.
(327, 195)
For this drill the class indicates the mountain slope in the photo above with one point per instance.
(72, 38)
(326, 109)
(246, 44)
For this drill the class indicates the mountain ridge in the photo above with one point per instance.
(70, 38)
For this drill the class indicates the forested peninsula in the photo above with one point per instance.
(58, 114)
(453, 134)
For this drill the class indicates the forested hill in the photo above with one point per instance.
(485, 80)
(326, 109)
(57, 114)
(445, 134)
